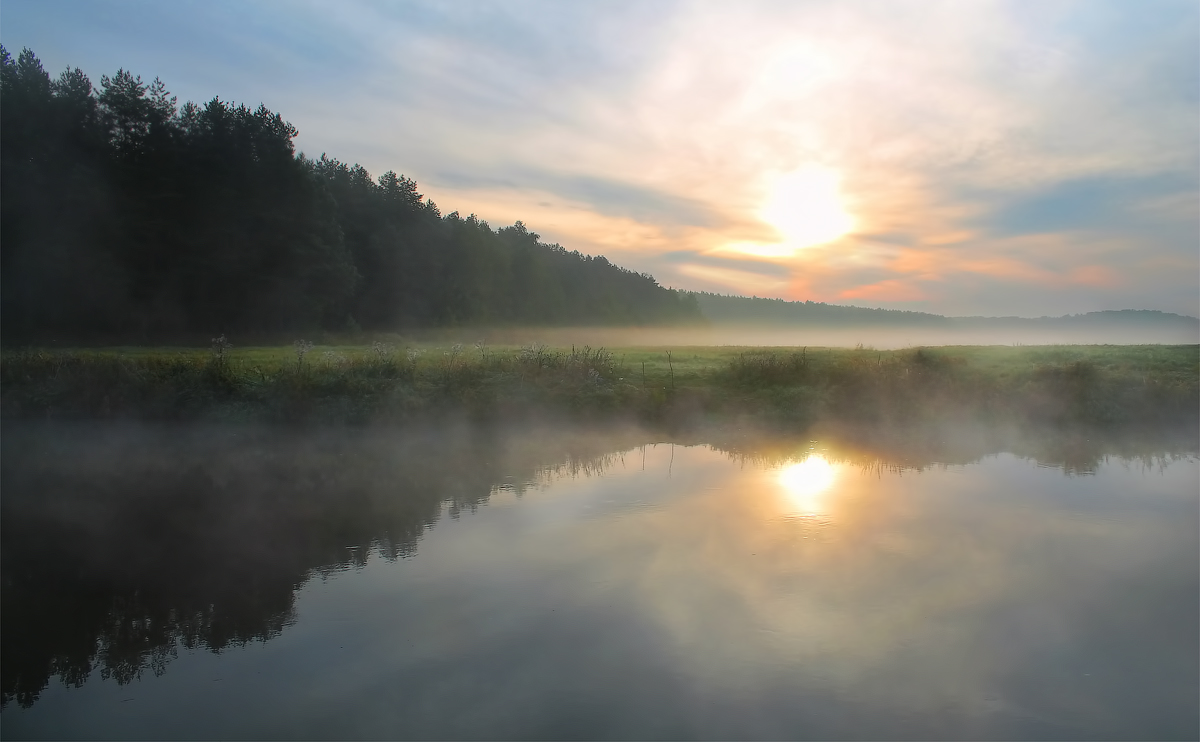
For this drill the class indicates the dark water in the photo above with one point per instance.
(166, 582)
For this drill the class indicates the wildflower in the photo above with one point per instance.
(381, 351)
(302, 348)
(533, 351)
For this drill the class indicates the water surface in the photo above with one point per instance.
(165, 582)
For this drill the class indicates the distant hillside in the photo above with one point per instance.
(729, 310)
(1128, 318)
(741, 310)
(832, 324)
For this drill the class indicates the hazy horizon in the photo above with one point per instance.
(990, 159)
(759, 336)
(1015, 315)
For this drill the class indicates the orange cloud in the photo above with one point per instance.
(949, 238)
(743, 282)
(889, 290)
(1001, 267)
(924, 263)
(801, 288)
(1095, 275)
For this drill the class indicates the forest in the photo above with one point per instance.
(125, 216)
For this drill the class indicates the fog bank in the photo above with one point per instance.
(883, 338)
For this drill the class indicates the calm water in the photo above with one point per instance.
(213, 582)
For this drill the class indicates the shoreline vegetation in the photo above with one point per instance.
(1102, 386)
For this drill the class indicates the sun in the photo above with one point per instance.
(806, 483)
(806, 207)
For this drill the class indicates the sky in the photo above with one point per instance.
(962, 158)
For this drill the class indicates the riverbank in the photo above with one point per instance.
(1090, 385)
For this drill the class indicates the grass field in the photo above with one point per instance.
(1106, 385)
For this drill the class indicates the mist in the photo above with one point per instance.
(773, 335)
(165, 544)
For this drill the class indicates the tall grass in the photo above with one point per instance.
(379, 383)
(916, 385)
(1153, 386)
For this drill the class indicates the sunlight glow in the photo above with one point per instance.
(806, 207)
(806, 483)
(760, 249)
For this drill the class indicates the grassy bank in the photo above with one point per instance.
(1104, 385)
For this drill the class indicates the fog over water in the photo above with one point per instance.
(559, 581)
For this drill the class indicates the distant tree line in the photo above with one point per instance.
(745, 310)
(722, 309)
(125, 215)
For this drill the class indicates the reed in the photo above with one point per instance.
(1103, 386)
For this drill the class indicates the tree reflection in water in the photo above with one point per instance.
(121, 544)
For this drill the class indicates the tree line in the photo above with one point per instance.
(721, 309)
(126, 215)
(747, 310)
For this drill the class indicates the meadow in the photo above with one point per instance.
(796, 387)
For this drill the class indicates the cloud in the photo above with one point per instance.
(890, 290)
(759, 267)
(606, 196)
(1095, 275)
(992, 156)
(726, 280)
(1093, 203)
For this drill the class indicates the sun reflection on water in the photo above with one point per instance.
(806, 485)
